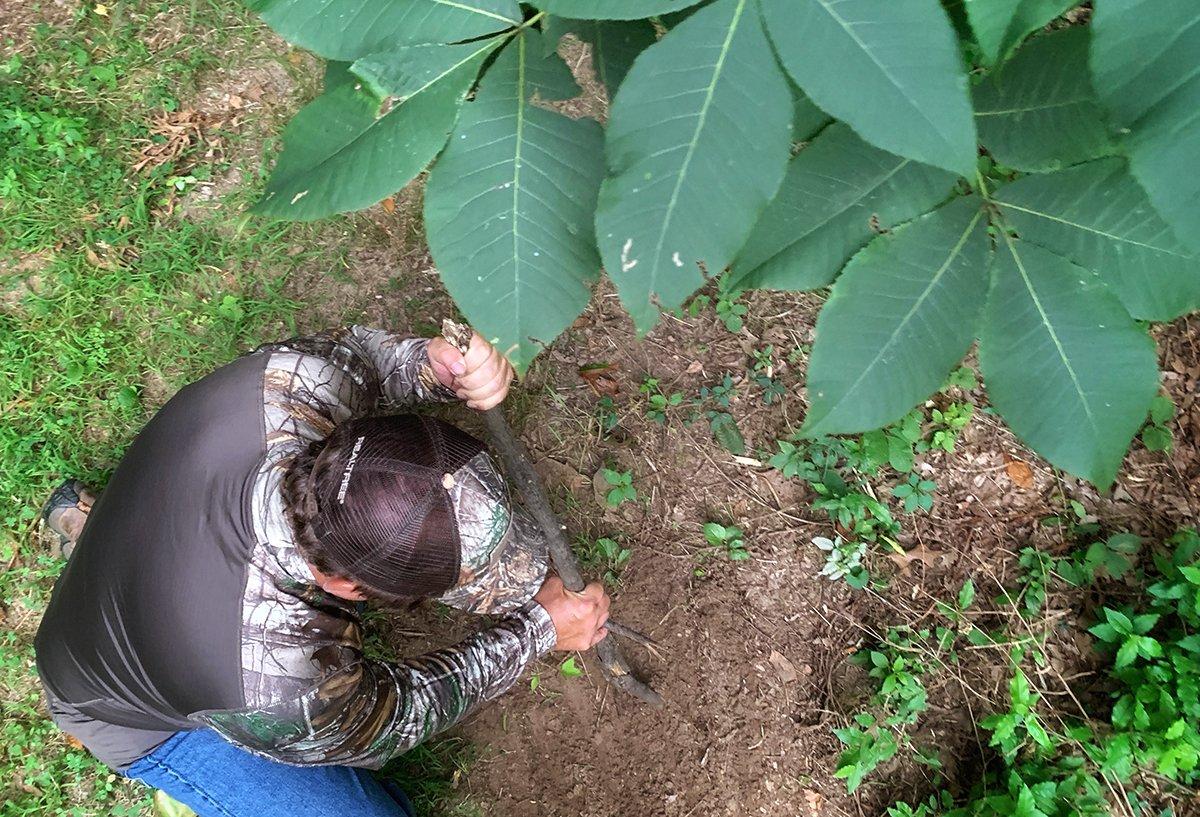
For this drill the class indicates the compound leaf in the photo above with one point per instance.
(900, 316)
(698, 141)
(891, 70)
(1039, 112)
(1146, 69)
(834, 190)
(509, 205)
(1071, 373)
(613, 9)
(349, 29)
(1096, 215)
(341, 153)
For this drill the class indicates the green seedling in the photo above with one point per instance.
(657, 403)
(606, 414)
(604, 554)
(621, 487)
(1156, 435)
(843, 560)
(569, 669)
(915, 493)
(726, 538)
(729, 311)
(948, 423)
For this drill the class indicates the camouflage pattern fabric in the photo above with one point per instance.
(311, 697)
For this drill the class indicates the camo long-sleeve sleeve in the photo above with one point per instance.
(366, 712)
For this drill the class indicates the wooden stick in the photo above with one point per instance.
(520, 470)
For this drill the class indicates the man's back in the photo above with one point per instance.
(143, 627)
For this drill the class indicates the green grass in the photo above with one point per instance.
(110, 300)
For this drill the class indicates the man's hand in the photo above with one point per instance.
(578, 617)
(480, 377)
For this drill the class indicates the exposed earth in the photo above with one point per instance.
(752, 656)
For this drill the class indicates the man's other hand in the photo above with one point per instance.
(578, 618)
(480, 377)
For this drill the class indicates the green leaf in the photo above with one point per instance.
(966, 595)
(1162, 410)
(822, 214)
(508, 206)
(808, 118)
(892, 71)
(349, 29)
(613, 9)
(406, 70)
(1156, 438)
(1039, 111)
(569, 669)
(1146, 68)
(902, 314)
(1127, 653)
(726, 432)
(1067, 368)
(1000, 25)
(1096, 215)
(704, 116)
(341, 154)
(615, 44)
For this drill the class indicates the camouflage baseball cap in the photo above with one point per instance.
(504, 551)
(410, 506)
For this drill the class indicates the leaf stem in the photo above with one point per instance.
(983, 191)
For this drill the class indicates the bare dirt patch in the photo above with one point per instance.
(754, 668)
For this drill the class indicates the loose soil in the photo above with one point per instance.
(753, 655)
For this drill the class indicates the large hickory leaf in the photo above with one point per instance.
(1071, 373)
(1096, 215)
(1000, 25)
(615, 44)
(698, 141)
(891, 70)
(1146, 67)
(1039, 112)
(341, 154)
(349, 29)
(509, 205)
(838, 192)
(901, 315)
(613, 9)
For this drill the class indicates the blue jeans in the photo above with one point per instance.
(217, 779)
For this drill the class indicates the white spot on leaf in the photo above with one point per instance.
(299, 196)
(675, 259)
(626, 263)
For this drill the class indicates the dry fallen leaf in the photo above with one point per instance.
(918, 554)
(74, 742)
(602, 377)
(814, 800)
(389, 204)
(1019, 472)
(785, 668)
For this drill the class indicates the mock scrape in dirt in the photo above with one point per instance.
(754, 665)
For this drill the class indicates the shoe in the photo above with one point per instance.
(65, 512)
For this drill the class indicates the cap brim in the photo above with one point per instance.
(511, 577)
